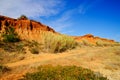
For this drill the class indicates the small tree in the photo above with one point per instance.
(23, 17)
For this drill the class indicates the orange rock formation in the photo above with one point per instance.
(92, 39)
(31, 30)
(26, 29)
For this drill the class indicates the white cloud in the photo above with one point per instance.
(31, 8)
(62, 23)
(37, 8)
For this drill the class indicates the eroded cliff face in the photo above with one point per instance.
(31, 30)
(25, 28)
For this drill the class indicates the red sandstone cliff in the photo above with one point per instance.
(26, 29)
(31, 30)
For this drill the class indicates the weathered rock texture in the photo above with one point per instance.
(26, 29)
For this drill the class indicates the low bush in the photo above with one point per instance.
(34, 50)
(12, 47)
(10, 35)
(34, 47)
(99, 43)
(23, 17)
(117, 44)
(32, 44)
(85, 42)
(63, 73)
(20, 47)
(3, 69)
(103, 43)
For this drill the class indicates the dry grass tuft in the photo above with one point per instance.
(56, 43)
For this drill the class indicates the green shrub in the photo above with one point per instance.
(63, 73)
(23, 17)
(10, 35)
(57, 43)
(13, 47)
(10, 38)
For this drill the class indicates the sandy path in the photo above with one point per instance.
(92, 58)
(41, 58)
(48, 57)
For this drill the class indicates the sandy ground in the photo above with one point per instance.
(98, 59)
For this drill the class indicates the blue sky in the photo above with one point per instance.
(72, 17)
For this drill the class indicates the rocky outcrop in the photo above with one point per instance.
(26, 29)
(92, 39)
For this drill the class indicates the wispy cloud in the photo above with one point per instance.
(86, 5)
(31, 8)
(62, 23)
